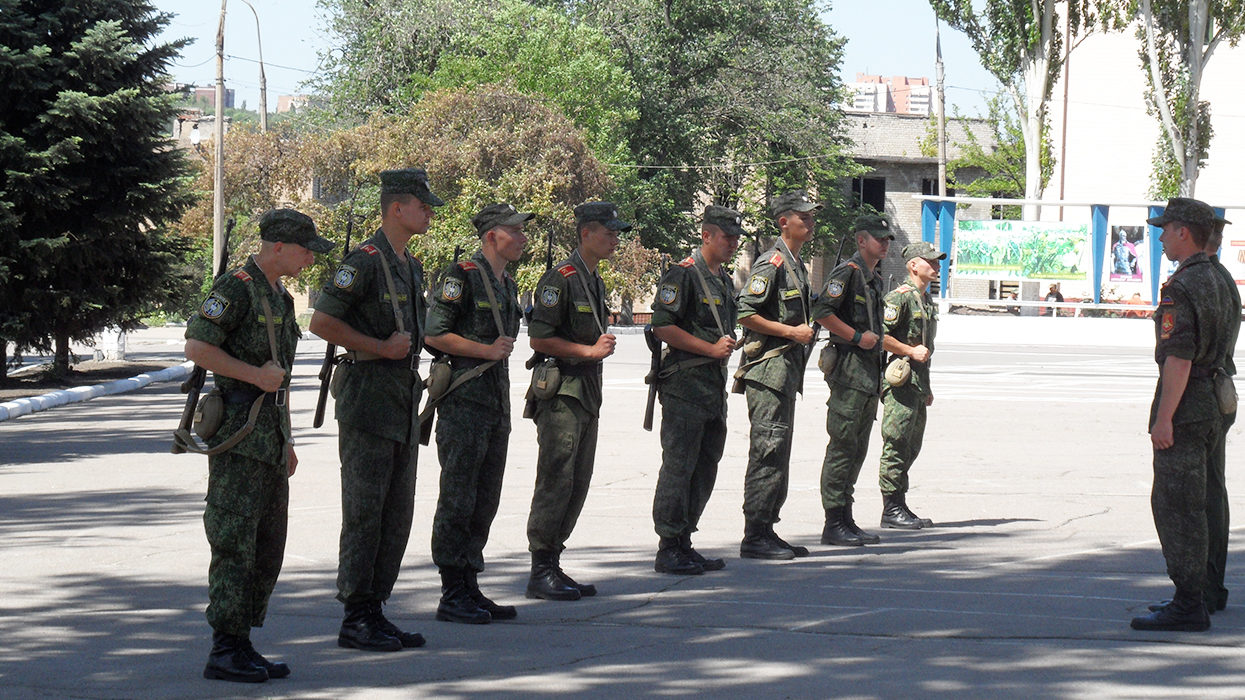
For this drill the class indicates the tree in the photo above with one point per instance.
(1020, 42)
(88, 181)
(1178, 40)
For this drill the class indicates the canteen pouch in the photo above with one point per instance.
(898, 372)
(209, 414)
(546, 378)
(339, 378)
(440, 375)
(828, 358)
(1225, 392)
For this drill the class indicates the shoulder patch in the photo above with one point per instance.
(834, 289)
(243, 275)
(688, 263)
(467, 265)
(369, 249)
(344, 277)
(214, 306)
(1169, 325)
(668, 293)
(567, 270)
(758, 284)
(776, 260)
(891, 313)
(549, 296)
(853, 265)
(452, 290)
(905, 287)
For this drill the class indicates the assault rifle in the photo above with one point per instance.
(194, 383)
(654, 348)
(331, 360)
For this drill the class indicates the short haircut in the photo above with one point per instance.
(1200, 233)
(387, 199)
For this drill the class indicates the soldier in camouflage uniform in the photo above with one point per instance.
(693, 388)
(910, 322)
(473, 430)
(774, 310)
(378, 405)
(569, 322)
(1192, 332)
(248, 484)
(850, 307)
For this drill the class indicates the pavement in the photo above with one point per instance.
(1036, 470)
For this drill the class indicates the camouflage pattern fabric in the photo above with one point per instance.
(1217, 513)
(849, 420)
(566, 437)
(560, 308)
(693, 400)
(1191, 322)
(855, 296)
(905, 311)
(473, 422)
(777, 290)
(911, 317)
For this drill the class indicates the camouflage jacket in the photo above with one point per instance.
(1234, 319)
(462, 307)
(854, 294)
(910, 316)
(232, 318)
(778, 291)
(680, 302)
(565, 298)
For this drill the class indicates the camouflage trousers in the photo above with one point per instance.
(849, 421)
(1178, 501)
(1217, 520)
(903, 431)
(471, 445)
(770, 414)
(692, 440)
(378, 502)
(566, 437)
(245, 521)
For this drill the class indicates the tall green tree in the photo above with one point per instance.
(1178, 39)
(88, 180)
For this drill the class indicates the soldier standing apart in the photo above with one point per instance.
(774, 310)
(910, 322)
(569, 323)
(474, 319)
(694, 314)
(245, 334)
(374, 307)
(850, 308)
(1192, 331)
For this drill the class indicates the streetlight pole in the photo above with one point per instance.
(218, 179)
(263, 83)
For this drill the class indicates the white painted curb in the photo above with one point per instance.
(21, 407)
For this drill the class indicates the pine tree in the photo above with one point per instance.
(88, 177)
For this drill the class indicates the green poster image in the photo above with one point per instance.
(1021, 250)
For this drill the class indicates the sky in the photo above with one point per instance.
(885, 37)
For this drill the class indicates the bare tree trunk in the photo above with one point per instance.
(4, 359)
(60, 361)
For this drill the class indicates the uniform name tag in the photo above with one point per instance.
(583, 308)
(790, 293)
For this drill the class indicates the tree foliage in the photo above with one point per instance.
(88, 182)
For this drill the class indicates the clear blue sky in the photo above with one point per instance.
(886, 37)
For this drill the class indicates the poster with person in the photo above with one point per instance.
(1124, 253)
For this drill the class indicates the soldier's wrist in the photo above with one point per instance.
(856, 337)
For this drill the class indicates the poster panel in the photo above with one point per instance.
(1022, 250)
(1124, 253)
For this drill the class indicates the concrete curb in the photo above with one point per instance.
(21, 407)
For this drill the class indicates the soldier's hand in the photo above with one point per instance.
(604, 347)
(801, 334)
(291, 459)
(868, 340)
(501, 348)
(929, 400)
(723, 348)
(396, 346)
(270, 377)
(920, 353)
(1161, 434)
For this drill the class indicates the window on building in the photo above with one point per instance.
(869, 190)
(929, 186)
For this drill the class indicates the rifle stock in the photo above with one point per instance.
(654, 348)
(330, 350)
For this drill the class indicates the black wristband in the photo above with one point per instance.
(856, 338)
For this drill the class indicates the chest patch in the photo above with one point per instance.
(584, 308)
(790, 293)
(452, 290)
(1168, 325)
(891, 313)
(758, 284)
(549, 296)
(668, 294)
(344, 277)
(835, 290)
(214, 306)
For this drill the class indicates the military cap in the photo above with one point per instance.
(876, 225)
(921, 249)
(409, 181)
(495, 215)
(292, 226)
(796, 200)
(604, 213)
(724, 218)
(1190, 211)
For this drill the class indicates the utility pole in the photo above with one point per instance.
(263, 83)
(941, 113)
(218, 178)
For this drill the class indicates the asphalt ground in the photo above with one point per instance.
(1036, 470)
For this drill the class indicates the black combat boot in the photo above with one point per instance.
(230, 661)
(850, 523)
(545, 583)
(896, 516)
(275, 669)
(685, 543)
(457, 605)
(362, 628)
(903, 503)
(796, 549)
(498, 612)
(836, 531)
(757, 544)
(671, 559)
(1186, 613)
(586, 590)
(409, 640)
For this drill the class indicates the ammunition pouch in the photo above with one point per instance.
(898, 372)
(209, 414)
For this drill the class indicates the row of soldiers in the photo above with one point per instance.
(375, 308)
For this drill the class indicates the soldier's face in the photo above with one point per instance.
(1174, 237)
(717, 246)
(294, 258)
(797, 225)
(925, 271)
(415, 215)
(600, 241)
(509, 241)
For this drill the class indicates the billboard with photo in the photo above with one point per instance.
(1022, 250)
(1124, 253)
